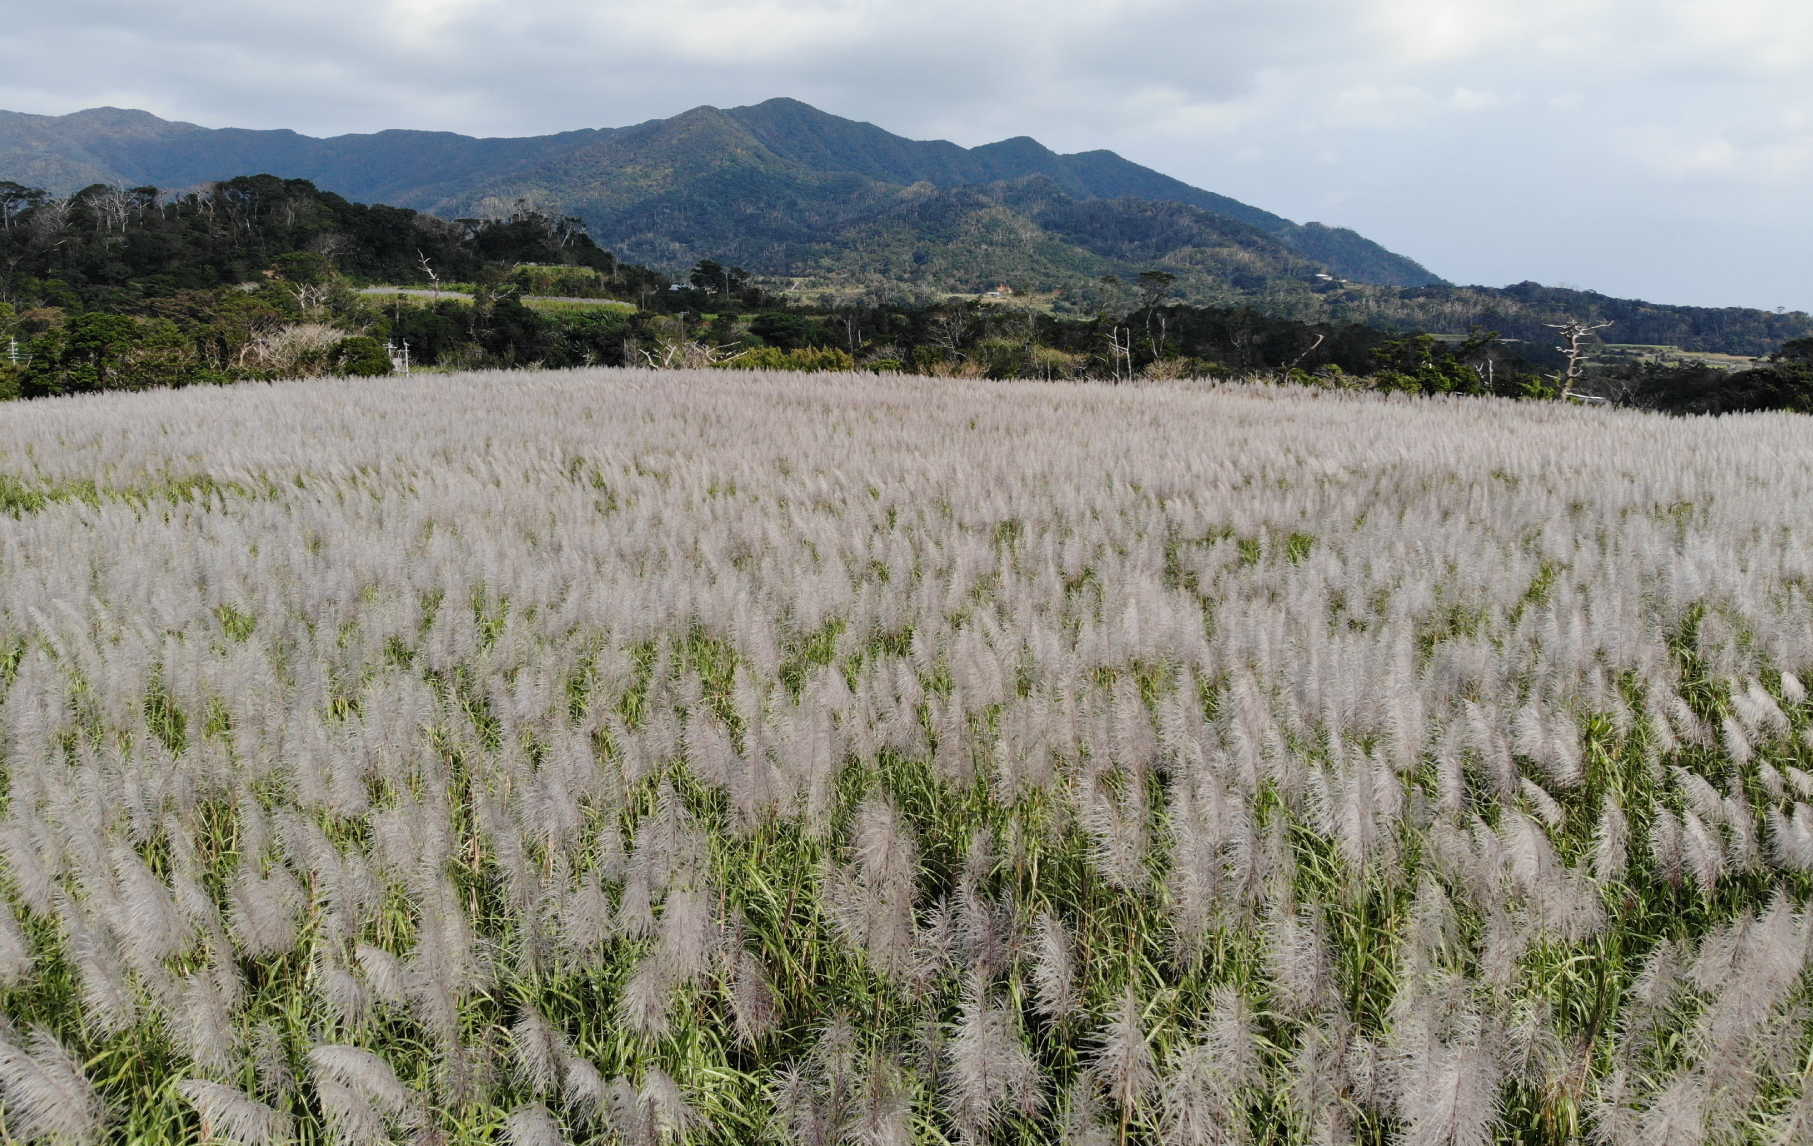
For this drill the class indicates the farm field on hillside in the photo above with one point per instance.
(611, 756)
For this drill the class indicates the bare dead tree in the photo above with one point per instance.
(1120, 350)
(1574, 335)
(48, 221)
(310, 298)
(682, 354)
(113, 209)
(950, 330)
(1284, 375)
(429, 271)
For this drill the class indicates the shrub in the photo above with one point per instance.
(810, 359)
(363, 357)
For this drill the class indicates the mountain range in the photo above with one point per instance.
(780, 187)
(828, 206)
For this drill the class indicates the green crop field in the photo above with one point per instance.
(726, 757)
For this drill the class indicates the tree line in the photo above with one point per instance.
(260, 277)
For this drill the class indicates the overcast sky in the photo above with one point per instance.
(1650, 148)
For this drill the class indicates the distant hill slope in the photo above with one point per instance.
(672, 190)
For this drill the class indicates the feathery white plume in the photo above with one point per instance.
(532, 1125)
(1054, 968)
(1122, 1059)
(364, 1072)
(233, 1115)
(47, 1095)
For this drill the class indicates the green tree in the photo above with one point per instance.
(1155, 287)
(1413, 364)
(362, 357)
(90, 353)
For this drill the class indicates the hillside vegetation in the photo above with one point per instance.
(265, 278)
(712, 758)
(779, 187)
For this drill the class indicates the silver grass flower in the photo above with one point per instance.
(1452, 1095)
(881, 1109)
(1318, 1079)
(47, 1096)
(1771, 779)
(1737, 745)
(352, 1120)
(986, 932)
(271, 1061)
(1054, 968)
(1716, 961)
(1666, 846)
(1115, 815)
(384, 974)
(532, 1125)
(668, 1105)
(344, 995)
(1298, 958)
(837, 1059)
(1532, 1051)
(1742, 850)
(883, 844)
(988, 1068)
(233, 1115)
(1122, 1058)
(108, 1004)
(1765, 967)
(1082, 1123)
(16, 959)
(1610, 842)
(1544, 805)
(1661, 728)
(1791, 838)
(20, 846)
(1793, 691)
(686, 935)
(798, 1114)
(539, 1049)
(586, 1093)
(1195, 883)
(1687, 725)
(206, 1030)
(635, 918)
(1433, 929)
(1614, 1121)
(754, 1005)
(1502, 946)
(1794, 1127)
(1655, 981)
(365, 1073)
(150, 923)
(263, 912)
(1677, 1117)
(1702, 798)
(1704, 852)
(644, 1004)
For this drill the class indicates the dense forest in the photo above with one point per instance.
(265, 278)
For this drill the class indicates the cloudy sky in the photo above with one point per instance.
(1650, 148)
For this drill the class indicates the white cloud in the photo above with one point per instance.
(1651, 147)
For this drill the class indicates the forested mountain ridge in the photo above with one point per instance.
(667, 190)
(64, 154)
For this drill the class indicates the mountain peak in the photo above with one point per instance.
(754, 182)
